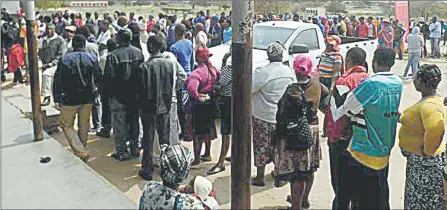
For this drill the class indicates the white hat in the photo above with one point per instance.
(203, 187)
(421, 19)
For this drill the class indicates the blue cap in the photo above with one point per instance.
(215, 18)
(151, 16)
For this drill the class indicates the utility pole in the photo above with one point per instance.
(33, 70)
(242, 21)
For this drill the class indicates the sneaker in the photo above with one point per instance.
(103, 133)
(121, 157)
(94, 130)
(145, 176)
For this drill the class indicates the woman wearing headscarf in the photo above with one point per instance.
(415, 45)
(175, 164)
(200, 86)
(421, 142)
(386, 35)
(300, 100)
(269, 84)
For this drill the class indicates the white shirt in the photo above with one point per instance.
(269, 84)
(201, 38)
(104, 37)
(207, 25)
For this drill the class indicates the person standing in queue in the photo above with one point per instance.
(269, 84)
(75, 93)
(120, 74)
(155, 88)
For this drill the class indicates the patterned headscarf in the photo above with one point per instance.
(275, 51)
(175, 163)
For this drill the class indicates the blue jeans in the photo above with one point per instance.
(398, 44)
(413, 61)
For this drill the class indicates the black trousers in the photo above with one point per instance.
(106, 117)
(151, 122)
(368, 186)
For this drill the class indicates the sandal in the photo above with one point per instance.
(216, 169)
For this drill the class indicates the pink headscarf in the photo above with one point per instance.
(302, 65)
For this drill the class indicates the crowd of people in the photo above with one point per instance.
(153, 83)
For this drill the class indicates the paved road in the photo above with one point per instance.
(124, 174)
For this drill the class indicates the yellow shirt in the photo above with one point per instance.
(376, 163)
(423, 128)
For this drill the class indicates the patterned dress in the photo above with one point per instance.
(263, 147)
(158, 196)
(424, 187)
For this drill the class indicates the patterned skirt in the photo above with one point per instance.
(424, 187)
(263, 147)
(295, 165)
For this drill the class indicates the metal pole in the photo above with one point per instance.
(33, 70)
(242, 21)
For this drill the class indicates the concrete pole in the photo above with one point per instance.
(33, 70)
(242, 22)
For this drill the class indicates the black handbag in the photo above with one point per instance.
(298, 134)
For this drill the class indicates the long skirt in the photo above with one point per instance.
(262, 142)
(424, 187)
(296, 165)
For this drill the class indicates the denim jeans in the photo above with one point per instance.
(435, 51)
(125, 124)
(77, 140)
(151, 123)
(97, 112)
(413, 61)
(398, 44)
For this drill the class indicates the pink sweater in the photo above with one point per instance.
(201, 76)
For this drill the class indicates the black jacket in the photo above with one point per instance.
(155, 84)
(425, 30)
(121, 73)
(52, 50)
(76, 79)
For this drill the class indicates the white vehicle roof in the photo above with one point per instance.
(284, 24)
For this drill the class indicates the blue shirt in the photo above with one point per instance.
(171, 35)
(215, 30)
(373, 107)
(227, 33)
(183, 51)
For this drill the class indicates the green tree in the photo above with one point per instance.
(44, 4)
(337, 7)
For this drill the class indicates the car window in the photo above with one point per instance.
(308, 37)
(264, 35)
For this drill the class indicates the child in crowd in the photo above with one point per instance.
(202, 188)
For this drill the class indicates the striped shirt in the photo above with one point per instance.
(328, 62)
(225, 81)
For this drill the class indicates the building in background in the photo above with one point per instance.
(320, 11)
(89, 3)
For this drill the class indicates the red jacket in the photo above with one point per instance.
(16, 58)
(340, 130)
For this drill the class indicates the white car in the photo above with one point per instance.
(298, 38)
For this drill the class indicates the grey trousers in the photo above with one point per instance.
(435, 50)
(413, 61)
(174, 131)
(124, 124)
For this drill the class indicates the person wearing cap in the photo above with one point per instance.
(120, 74)
(69, 32)
(214, 32)
(175, 165)
(425, 33)
(200, 85)
(150, 23)
(435, 37)
(269, 84)
(339, 132)
(386, 35)
(301, 99)
(331, 64)
(75, 93)
(53, 47)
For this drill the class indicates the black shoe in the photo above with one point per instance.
(94, 130)
(85, 158)
(145, 176)
(121, 157)
(103, 133)
(135, 151)
(46, 101)
(228, 159)
(3, 78)
(257, 182)
(216, 169)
